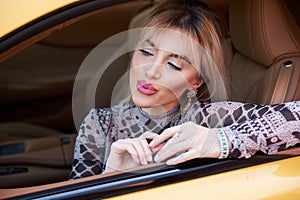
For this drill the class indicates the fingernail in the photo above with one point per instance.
(145, 162)
(170, 162)
(149, 158)
(150, 161)
(156, 158)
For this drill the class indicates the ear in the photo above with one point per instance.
(196, 85)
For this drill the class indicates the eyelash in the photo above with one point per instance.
(172, 65)
(145, 52)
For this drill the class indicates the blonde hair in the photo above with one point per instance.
(197, 21)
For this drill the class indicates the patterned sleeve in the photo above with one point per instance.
(271, 132)
(251, 128)
(89, 152)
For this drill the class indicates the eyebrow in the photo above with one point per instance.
(183, 57)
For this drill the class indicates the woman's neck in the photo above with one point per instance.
(157, 110)
(167, 115)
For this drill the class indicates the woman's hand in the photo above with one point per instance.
(186, 142)
(130, 153)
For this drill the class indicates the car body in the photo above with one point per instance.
(42, 46)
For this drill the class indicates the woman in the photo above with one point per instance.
(177, 60)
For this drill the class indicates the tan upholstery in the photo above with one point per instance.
(36, 85)
(44, 73)
(265, 39)
(265, 68)
(23, 148)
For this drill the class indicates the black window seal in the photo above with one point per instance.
(120, 184)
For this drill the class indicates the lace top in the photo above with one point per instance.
(249, 128)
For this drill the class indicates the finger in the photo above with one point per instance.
(131, 150)
(177, 143)
(168, 144)
(169, 150)
(156, 148)
(189, 155)
(141, 154)
(149, 136)
(147, 150)
(166, 134)
(120, 146)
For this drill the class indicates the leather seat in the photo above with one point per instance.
(266, 63)
(36, 84)
(262, 51)
(44, 73)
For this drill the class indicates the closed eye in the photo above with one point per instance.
(146, 52)
(172, 65)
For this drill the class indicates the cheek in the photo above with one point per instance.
(177, 84)
(134, 69)
(136, 66)
(137, 61)
(192, 76)
(133, 79)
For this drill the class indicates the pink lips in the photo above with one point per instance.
(146, 88)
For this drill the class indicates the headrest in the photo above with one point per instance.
(264, 30)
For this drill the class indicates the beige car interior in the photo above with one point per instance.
(266, 38)
(262, 55)
(37, 129)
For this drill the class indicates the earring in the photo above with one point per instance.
(190, 97)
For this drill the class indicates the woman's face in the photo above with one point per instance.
(161, 70)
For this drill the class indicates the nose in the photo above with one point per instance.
(154, 70)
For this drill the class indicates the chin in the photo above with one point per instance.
(142, 102)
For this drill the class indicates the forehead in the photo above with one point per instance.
(170, 40)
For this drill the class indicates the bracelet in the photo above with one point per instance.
(224, 144)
